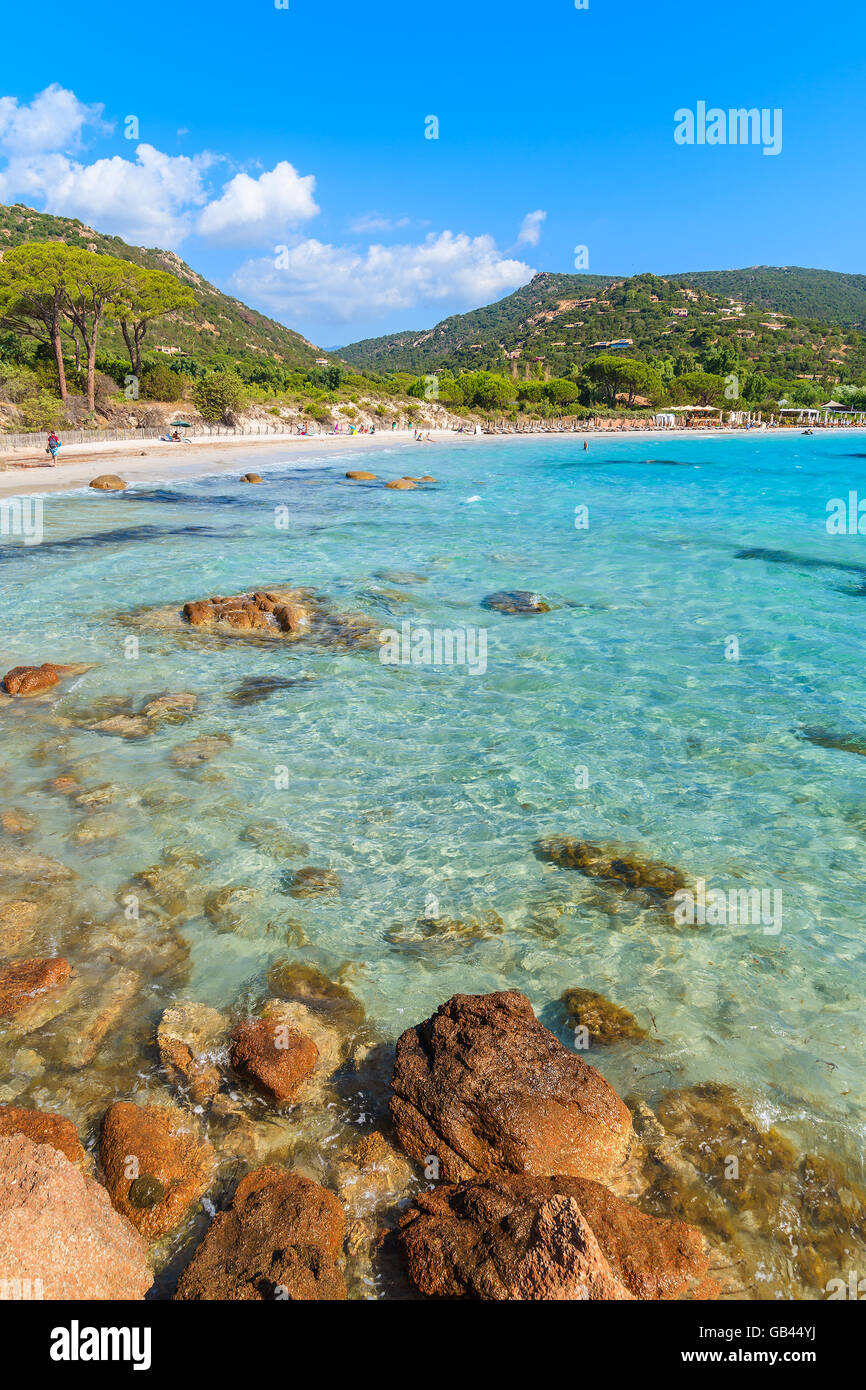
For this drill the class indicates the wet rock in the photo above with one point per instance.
(108, 482)
(281, 1239)
(36, 868)
(273, 1054)
(228, 908)
(372, 1172)
(17, 822)
(843, 743)
(99, 1014)
(32, 680)
(357, 476)
(192, 1041)
(42, 1128)
(57, 1225)
(310, 882)
(18, 919)
(271, 838)
(516, 601)
(123, 726)
(270, 611)
(612, 864)
(549, 1238)
(200, 750)
(160, 1144)
(250, 478)
(305, 984)
(105, 795)
(170, 708)
(443, 931)
(24, 981)
(604, 1022)
(485, 1088)
(66, 786)
(401, 484)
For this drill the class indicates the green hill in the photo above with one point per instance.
(557, 323)
(220, 326)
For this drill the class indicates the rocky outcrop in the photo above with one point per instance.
(516, 601)
(604, 1022)
(54, 1130)
(280, 1240)
(273, 1054)
(155, 1165)
(108, 482)
(612, 864)
(358, 476)
(546, 1238)
(58, 1226)
(274, 611)
(191, 1039)
(401, 484)
(484, 1088)
(250, 478)
(24, 982)
(32, 680)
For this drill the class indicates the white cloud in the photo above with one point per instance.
(257, 210)
(530, 228)
(146, 200)
(340, 283)
(53, 121)
(375, 222)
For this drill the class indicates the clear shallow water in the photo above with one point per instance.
(410, 781)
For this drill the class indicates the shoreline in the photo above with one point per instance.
(24, 475)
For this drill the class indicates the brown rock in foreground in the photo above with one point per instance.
(58, 1226)
(41, 1128)
(22, 982)
(401, 484)
(32, 680)
(485, 1088)
(358, 476)
(546, 1238)
(250, 478)
(155, 1165)
(108, 482)
(275, 1056)
(280, 1240)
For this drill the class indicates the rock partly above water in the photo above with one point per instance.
(273, 1054)
(108, 482)
(24, 982)
(191, 1039)
(281, 1240)
(32, 680)
(484, 1087)
(58, 1225)
(548, 1238)
(155, 1164)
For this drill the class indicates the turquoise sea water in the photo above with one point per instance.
(411, 781)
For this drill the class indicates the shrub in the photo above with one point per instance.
(160, 383)
(41, 411)
(217, 393)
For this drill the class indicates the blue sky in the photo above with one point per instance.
(304, 129)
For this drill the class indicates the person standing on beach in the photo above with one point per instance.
(54, 447)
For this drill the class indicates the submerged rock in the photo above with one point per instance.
(516, 601)
(228, 908)
(273, 1054)
(309, 882)
(548, 1238)
(58, 1226)
(605, 1022)
(257, 688)
(192, 1039)
(160, 1144)
(170, 708)
(24, 981)
(612, 864)
(485, 1088)
(42, 1128)
(200, 750)
(280, 1240)
(843, 743)
(123, 726)
(17, 822)
(305, 984)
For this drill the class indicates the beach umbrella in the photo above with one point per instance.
(180, 425)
